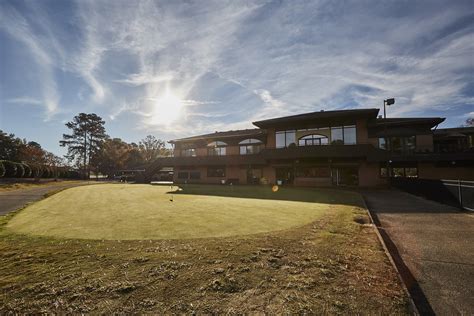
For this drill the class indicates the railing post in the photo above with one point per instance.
(460, 192)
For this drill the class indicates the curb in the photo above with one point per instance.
(413, 307)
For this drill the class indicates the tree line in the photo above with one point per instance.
(89, 150)
(20, 158)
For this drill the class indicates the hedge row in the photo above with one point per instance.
(11, 169)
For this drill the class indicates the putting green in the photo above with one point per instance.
(126, 212)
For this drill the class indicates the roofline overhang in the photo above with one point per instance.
(255, 132)
(320, 116)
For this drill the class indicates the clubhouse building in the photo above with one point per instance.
(326, 148)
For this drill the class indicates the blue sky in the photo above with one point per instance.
(227, 62)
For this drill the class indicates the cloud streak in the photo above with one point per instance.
(231, 62)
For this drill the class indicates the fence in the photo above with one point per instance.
(457, 193)
(464, 190)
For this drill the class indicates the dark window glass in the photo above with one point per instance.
(216, 172)
(382, 143)
(195, 175)
(290, 138)
(410, 144)
(183, 175)
(337, 136)
(396, 144)
(350, 135)
(383, 172)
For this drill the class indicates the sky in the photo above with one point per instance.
(180, 68)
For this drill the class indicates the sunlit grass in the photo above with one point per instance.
(127, 212)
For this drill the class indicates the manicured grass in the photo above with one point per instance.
(121, 211)
(332, 265)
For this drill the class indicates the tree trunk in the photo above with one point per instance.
(85, 155)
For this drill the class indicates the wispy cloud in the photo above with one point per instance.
(231, 62)
(25, 100)
(13, 23)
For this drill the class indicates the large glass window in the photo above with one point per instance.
(350, 135)
(290, 138)
(280, 139)
(337, 137)
(398, 144)
(399, 172)
(285, 139)
(250, 146)
(216, 148)
(190, 152)
(313, 140)
(216, 172)
(343, 135)
(409, 144)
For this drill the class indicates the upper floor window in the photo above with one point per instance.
(250, 146)
(285, 139)
(189, 152)
(398, 144)
(343, 135)
(312, 140)
(216, 148)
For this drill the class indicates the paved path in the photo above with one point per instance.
(15, 199)
(433, 247)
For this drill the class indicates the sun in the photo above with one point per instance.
(167, 109)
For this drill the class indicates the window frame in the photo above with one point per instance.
(311, 138)
(286, 135)
(217, 148)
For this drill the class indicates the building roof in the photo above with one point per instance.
(458, 130)
(397, 121)
(317, 116)
(254, 132)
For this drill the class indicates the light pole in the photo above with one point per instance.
(387, 102)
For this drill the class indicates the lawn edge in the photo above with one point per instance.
(412, 305)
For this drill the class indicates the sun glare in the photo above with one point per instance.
(167, 109)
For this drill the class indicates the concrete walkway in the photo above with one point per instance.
(15, 199)
(433, 247)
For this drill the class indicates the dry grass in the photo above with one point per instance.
(30, 185)
(332, 265)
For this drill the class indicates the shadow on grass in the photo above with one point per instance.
(312, 195)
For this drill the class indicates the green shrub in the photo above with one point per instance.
(10, 168)
(2, 169)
